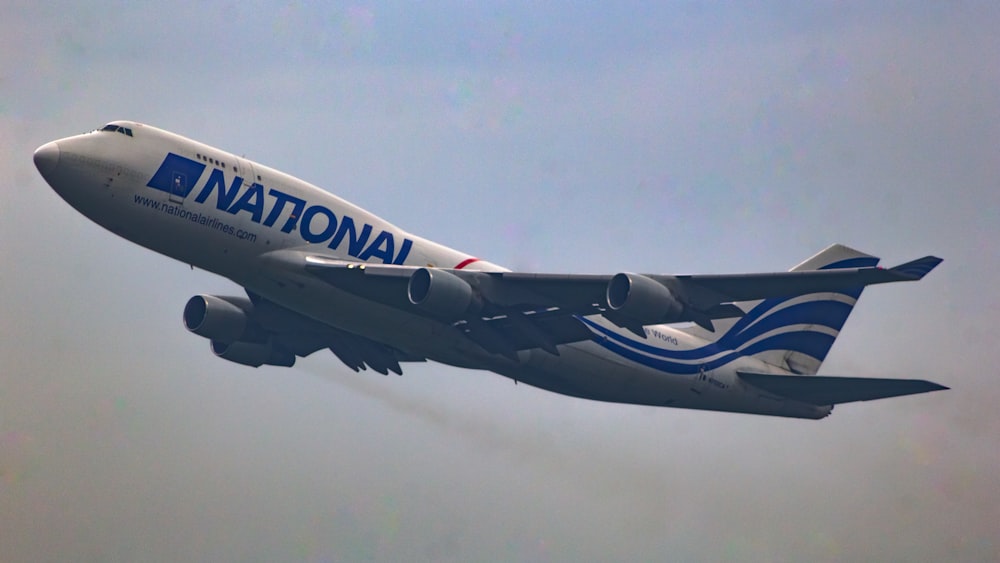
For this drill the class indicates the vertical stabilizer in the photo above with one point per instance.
(793, 333)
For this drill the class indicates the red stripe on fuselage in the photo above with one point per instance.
(466, 262)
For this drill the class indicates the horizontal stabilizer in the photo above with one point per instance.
(824, 390)
(918, 268)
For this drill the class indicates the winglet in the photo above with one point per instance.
(918, 268)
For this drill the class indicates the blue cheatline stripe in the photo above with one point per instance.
(807, 342)
(756, 322)
(831, 314)
(664, 365)
(696, 354)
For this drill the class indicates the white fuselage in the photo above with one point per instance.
(222, 213)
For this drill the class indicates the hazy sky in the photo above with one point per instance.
(557, 137)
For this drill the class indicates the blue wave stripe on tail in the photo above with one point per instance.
(831, 314)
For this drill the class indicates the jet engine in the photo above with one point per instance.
(253, 354)
(643, 299)
(218, 318)
(228, 323)
(440, 293)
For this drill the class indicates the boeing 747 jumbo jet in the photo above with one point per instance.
(319, 272)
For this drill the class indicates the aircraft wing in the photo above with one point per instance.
(749, 287)
(510, 311)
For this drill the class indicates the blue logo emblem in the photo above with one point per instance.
(177, 175)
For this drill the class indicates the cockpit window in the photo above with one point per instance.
(117, 129)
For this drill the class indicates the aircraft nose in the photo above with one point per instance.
(47, 158)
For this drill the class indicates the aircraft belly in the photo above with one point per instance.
(584, 370)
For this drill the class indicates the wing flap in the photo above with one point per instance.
(536, 330)
(826, 390)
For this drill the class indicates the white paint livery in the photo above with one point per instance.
(320, 272)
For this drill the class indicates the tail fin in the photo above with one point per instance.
(793, 333)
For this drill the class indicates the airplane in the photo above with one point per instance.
(321, 273)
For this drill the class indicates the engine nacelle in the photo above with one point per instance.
(253, 354)
(217, 318)
(643, 299)
(440, 293)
